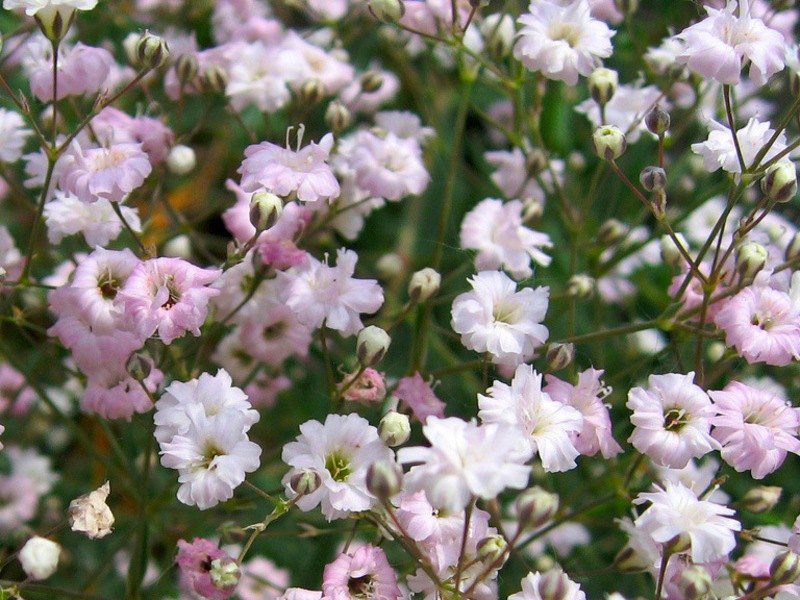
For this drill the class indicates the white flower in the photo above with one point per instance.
(545, 423)
(676, 512)
(13, 135)
(340, 451)
(39, 557)
(498, 319)
(719, 151)
(67, 215)
(532, 588)
(34, 6)
(465, 460)
(562, 40)
(260, 75)
(496, 230)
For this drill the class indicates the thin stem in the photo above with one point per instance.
(662, 572)
(726, 94)
(128, 228)
(37, 223)
(326, 357)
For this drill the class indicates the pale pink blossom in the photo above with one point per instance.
(33, 7)
(562, 40)
(259, 74)
(340, 451)
(362, 574)
(67, 214)
(717, 46)
(569, 590)
(719, 150)
(262, 580)
(283, 171)
(111, 173)
(547, 426)
(676, 512)
(81, 69)
(357, 100)
(272, 333)
(755, 427)
(419, 396)
(370, 386)
(112, 393)
(11, 258)
(465, 460)
(318, 64)
(13, 135)
(320, 294)
(496, 318)
(112, 126)
(195, 562)
(496, 230)
(587, 397)
(671, 419)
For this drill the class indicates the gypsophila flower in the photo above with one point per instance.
(418, 395)
(531, 588)
(719, 150)
(89, 514)
(363, 574)
(261, 580)
(676, 512)
(562, 40)
(111, 173)
(195, 562)
(671, 419)
(39, 557)
(67, 214)
(32, 7)
(13, 135)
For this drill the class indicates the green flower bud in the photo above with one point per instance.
(225, 573)
(312, 91)
(785, 568)
(559, 356)
(611, 232)
(214, 79)
(424, 284)
(372, 344)
(536, 507)
(54, 21)
(780, 182)
(152, 51)
(388, 11)
(580, 286)
(265, 210)
(695, 583)
(371, 81)
(384, 479)
(653, 178)
(750, 259)
(761, 498)
(186, 68)
(305, 481)
(657, 120)
(337, 116)
(609, 142)
(394, 429)
(491, 549)
(603, 85)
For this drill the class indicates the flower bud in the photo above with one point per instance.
(793, 248)
(180, 247)
(559, 356)
(371, 81)
(653, 178)
(265, 210)
(384, 479)
(389, 265)
(535, 507)
(626, 7)
(750, 259)
(554, 585)
(603, 85)
(388, 11)
(535, 162)
(695, 583)
(609, 142)
(785, 568)
(54, 20)
(3, 274)
(186, 68)
(394, 429)
(372, 344)
(629, 560)
(312, 91)
(305, 481)
(492, 549)
(337, 116)
(761, 498)
(680, 543)
(670, 253)
(576, 161)
(139, 366)
(39, 557)
(780, 182)
(580, 286)
(89, 514)
(658, 204)
(498, 33)
(214, 79)
(424, 284)
(181, 160)
(611, 232)
(657, 120)
(225, 573)
(152, 51)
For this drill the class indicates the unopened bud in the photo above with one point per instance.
(337, 116)
(532, 210)
(670, 253)
(626, 7)
(658, 204)
(498, 34)
(629, 560)
(305, 481)
(394, 429)
(653, 178)
(225, 573)
(750, 259)
(372, 344)
(609, 142)
(152, 51)
(580, 286)
(611, 232)
(186, 68)
(536, 507)
(384, 479)
(559, 356)
(695, 583)
(780, 182)
(785, 568)
(657, 120)
(761, 498)
(576, 161)
(39, 557)
(603, 85)
(54, 20)
(793, 248)
(388, 11)
(181, 160)
(424, 284)
(312, 91)
(371, 81)
(555, 585)
(535, 162)
(265, 210)
(3, 274)
(680, 543)
(139, 366)
(390, 265)
(492, 550)
(214, 79)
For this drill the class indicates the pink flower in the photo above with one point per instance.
(755, 427)
(562, 40)
(364, 574)
(719, 151)
(81, 69)
(13, 135)
(318, 293)
(195, 562)
(498, 319)
(495, 229)
(369, 387)
(113, 394)
(418, 395)
(271, 332)
(762, 323)
(587, 397)
(671, 420)
(111, 173)
(716, 46)
(283, 171)
(114, 126)
(169, 296)
(262, 580)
